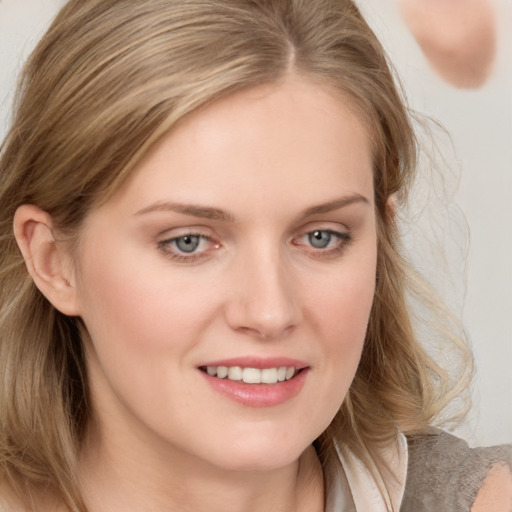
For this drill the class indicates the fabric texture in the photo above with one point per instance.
(351, 487)
(445, 474)
(365, 491)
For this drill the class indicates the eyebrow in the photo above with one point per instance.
(203, 212)
(336, 204)
(207, 212)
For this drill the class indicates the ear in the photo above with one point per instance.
(391, 208)
(47, 260)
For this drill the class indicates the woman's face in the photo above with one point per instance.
(244, 243)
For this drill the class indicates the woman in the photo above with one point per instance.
(204, 306)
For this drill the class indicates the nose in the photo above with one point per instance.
(264, 303)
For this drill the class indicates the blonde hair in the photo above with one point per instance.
(106, 81)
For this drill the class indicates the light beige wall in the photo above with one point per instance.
(480, 125)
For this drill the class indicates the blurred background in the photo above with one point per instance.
(466, 183)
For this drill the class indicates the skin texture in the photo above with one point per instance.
(163, 438)
(496, 493)
(458, 37)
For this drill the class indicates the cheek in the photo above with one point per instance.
(340, 318)
(138, 306)
(143, 324)
(342, 308)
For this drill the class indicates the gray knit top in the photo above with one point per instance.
(444, 474)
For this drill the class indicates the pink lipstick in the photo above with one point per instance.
(256, 381)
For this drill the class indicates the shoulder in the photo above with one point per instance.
(444, 473)
(495, 494)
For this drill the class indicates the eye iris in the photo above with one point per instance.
(320, 239)
(188, 243)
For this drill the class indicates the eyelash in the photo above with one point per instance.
(182, 257)
(344, 240)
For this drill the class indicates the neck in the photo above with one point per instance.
(118, 479)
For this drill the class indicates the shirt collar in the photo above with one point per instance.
(350, 486)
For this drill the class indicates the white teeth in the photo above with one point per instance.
(252, 375)
(269, 375)
(235, 373)
(222, 372)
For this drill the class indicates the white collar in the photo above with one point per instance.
(352, 488)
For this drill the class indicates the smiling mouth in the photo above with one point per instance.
(252, 375)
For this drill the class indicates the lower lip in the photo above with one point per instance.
(258, 395)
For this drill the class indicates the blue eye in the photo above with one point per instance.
(188, 247)
(187, 243)
(324, 243)
(320, 239)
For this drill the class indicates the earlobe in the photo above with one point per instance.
(47, 260)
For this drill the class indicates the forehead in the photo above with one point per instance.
(295, 141)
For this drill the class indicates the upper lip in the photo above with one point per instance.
(258, 362)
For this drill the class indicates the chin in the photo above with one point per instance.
(261, 454)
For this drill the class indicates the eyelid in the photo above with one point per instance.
(167, 237)
(331, 227)
(344, 236)
(184, 230)
(165, 245)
